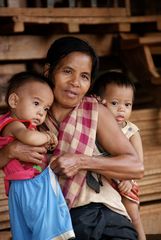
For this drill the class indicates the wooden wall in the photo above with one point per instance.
(125, 34)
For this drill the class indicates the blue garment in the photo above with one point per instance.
(38, 210)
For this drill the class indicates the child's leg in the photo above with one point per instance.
(18, 224)
(50, 214)
(133, 211)
(42, 209)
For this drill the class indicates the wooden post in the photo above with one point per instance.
(128, 7)
(93, 3)
(72, 3)
(50, 3)
(16, 3)
(151, 66)
(2, 3)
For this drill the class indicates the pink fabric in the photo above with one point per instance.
(77, 134)
(15, 170)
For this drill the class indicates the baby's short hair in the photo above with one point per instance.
(113, 76)
(21, 78)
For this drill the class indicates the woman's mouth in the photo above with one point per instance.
(71, 94)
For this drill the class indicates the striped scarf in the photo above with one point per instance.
(77, 134)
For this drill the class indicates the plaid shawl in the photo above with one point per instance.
(77, 134)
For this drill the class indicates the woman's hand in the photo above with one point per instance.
(22, 152)
(67, 164)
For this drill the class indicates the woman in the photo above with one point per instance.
(96, 211)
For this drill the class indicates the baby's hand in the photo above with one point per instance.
(51, 144)
(100, 100)
(125, 186)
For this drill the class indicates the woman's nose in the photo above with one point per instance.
(75, 81)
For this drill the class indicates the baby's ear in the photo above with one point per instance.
(13, 100)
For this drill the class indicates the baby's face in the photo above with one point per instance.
(33, 102)
(119, 101)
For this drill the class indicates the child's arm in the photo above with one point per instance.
(25, 135)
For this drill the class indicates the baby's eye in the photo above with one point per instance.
(36, 103)
(114, 103)
(46, 109)
(128, 104)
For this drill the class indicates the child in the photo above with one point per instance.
(117, 93)
(36, 205)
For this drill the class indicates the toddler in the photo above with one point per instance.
(36, 205)
(117, 93)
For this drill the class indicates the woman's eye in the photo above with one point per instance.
(86, 77)
(67, 70)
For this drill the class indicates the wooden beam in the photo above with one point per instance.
(64, 12)
(151, 66)
(124, 27)
(150, 38)
(2, 3)
(156, 50)
(19, 26)
(128, 7)
(73, 27)
(16, 3)
(151, 218)
(25, 47)
(11, 69)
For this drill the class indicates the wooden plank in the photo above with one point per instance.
(145, 114)
(73, 28)
(18, 25)
(11, 69)
(2, 4)
(151, 66)
(155, 50)
(35, 47)
(50, 3)
(67, 12)
(66, 19)
(146, 39)
(124, 27)
(151, 218)
(128, 7)
(4, 202)
(16, 3)
(5, 235)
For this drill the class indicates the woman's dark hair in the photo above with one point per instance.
(19, 79)
(111, 76)
(66, 45)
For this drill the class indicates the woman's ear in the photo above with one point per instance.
(13, 100)
(46, 70)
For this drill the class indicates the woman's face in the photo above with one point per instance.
(72, 79)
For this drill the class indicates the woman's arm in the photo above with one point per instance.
(124, 163)
(22, 152)
(137, 144)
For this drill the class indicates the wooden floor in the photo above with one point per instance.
(6, 235)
